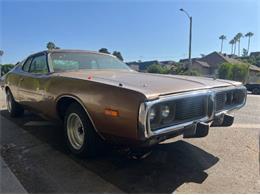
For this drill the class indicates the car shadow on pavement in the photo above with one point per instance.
(169, 166)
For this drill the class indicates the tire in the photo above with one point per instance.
(13, 107)
(80, 135)
(256, 91)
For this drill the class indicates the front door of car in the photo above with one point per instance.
(32, 84)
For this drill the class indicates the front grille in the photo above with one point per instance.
(185, 109)
(190, 108)
(228, 99)
(220, 100)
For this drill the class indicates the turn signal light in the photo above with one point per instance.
(111, 112)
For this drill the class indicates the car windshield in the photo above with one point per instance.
(70, 61)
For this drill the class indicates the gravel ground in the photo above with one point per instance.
(226, 161)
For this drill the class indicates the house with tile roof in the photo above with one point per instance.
(255, 54)
(201, 66)
(208, 65)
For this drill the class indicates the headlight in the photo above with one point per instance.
(152, 114)
(161, 115)
(165, 111)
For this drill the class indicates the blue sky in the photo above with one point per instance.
(140, 30)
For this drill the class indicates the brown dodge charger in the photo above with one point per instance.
(99, 98)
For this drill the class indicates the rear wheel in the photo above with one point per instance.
(13, 107)
(81, 137)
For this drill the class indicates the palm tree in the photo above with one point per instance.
(235, 42)
(249, 35)
(104, 50)
(232, 42)
(50, 45)
(222, 38)
(239, 36)
(118, 55)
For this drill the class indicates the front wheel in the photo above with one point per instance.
(81, 137)
(256, 91)
(13, 107)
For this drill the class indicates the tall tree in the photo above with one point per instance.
(239, 36)
(118, 55)
(235, 40)
(244, 52)
(1, 52)
(104, 50)
(222, 38)
(50, 46)
(232, 42)
(249, 35)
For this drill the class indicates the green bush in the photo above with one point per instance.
(180, 70)
(191, 73)
(236, 72)
(5, 68)
(225, 71)
(156, 68)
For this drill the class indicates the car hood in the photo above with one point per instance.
(151, 85)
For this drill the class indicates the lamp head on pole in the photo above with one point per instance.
(182, 10)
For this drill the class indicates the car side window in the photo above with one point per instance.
(27, 64)
(39, 65)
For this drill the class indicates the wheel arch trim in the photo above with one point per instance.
(75, 98)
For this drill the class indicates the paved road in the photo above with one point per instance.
(226, 161)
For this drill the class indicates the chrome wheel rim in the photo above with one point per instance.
(75, 131)
(9, 102)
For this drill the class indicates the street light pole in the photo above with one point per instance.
(190, 36)
(1, 53)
